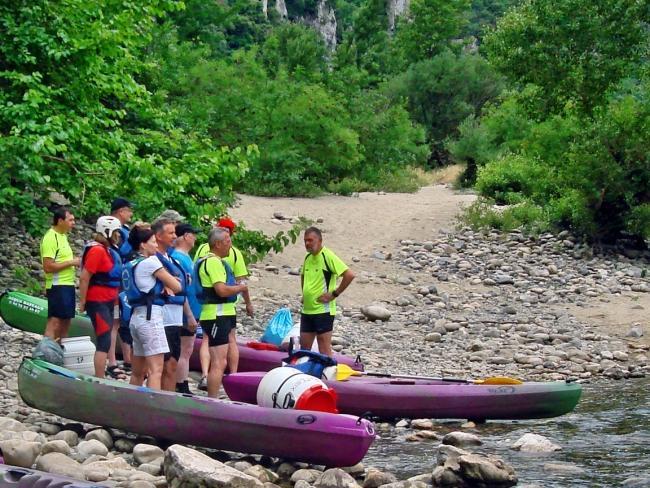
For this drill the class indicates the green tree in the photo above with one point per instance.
(573, 50)
(430, 27)
(75, 118)
(442, 92)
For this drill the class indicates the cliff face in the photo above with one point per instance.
(395, 9)
(324, 22)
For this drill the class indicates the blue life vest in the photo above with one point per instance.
(315, 364)
(136, 297)
(207, 294)
(127, 253)
(125, 310)
(176, 270)
(112, 278)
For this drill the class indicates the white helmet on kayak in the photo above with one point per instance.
(106, 225)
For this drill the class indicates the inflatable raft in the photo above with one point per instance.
(300, 435)
(29, 313)
(421, 398)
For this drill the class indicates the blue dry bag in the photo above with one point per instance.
(278, 327)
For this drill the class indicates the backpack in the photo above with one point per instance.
(315, 364)
(207, 294)
(175, 269)
(136, 297)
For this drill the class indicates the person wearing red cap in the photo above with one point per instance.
(237, 262)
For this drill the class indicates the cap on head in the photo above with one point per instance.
(182, 229)
(171, 215)
(227, 223)
(107, 224)
(119, 203)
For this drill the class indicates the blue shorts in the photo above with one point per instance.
(61, 301)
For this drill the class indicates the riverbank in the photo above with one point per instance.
(455, 302)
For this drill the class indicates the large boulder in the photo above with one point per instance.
(7, 424)
(145, 453)
(480, 470)
(20, 453)
(535, 443)
(461, 439)
(335, 478)
(57, 463)
(191, 469)
(376, 312)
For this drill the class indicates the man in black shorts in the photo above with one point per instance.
(218, 314)
(318, 277)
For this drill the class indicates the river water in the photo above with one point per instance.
(605, 440)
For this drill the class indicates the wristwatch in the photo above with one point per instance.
(335, 294)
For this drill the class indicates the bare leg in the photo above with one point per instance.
(183, 368)
(64, 328)
(137, 374)
(112, 361)
(169, 375)
(204, 355)
(100, 363)
(154, 366)
(52, 328)
(325, 343)
(306, 340)
(218, 362)
(233, 352)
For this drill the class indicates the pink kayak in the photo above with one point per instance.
(252, 359)
(423, 398)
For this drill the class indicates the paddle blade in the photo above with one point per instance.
(499, 380)
(343, 372)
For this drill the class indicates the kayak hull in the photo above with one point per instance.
(393, 398)
(29, 313)
(313, 437)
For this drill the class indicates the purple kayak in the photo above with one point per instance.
(313, 437)
(251, 359)
(13, 476)
(392, 398)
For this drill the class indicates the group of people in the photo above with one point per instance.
(142, 284)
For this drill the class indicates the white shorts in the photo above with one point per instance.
(149, 336)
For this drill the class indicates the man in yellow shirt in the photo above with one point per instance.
(218, 316)
(58, 264)
(237, 262)
(318, 277)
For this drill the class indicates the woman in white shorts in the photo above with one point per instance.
(149, 340)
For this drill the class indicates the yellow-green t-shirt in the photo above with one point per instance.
(212, 271)
(55, 245)
(314, 284)
(235, 259)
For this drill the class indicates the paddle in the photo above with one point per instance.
(343, 372)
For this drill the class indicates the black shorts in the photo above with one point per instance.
(101, 316)
(125, 333)
(61, 301)
(185, 332)
(219, 329)
(317, 323)
(173, 333)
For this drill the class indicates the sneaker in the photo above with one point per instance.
(203, 384)
(184, 388)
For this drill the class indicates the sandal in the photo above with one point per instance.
(116, 373)
(127, 367)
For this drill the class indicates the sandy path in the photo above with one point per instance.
(354, 228)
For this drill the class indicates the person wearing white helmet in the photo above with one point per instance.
(99, 285)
